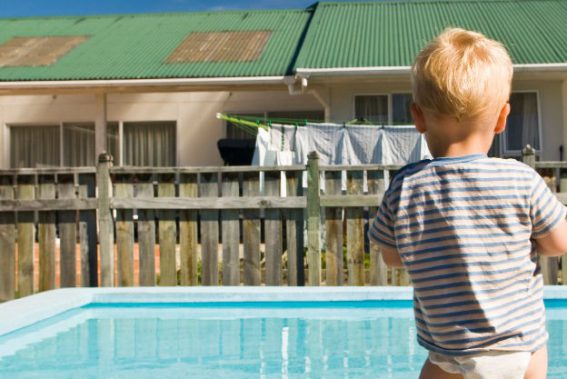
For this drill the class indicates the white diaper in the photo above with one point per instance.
(489, 365)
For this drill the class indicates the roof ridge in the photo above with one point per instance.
(156, 14)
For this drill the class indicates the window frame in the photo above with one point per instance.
(505, 152)
(390, 99)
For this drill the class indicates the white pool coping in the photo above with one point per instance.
(29, 310)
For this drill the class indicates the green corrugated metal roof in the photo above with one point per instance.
(338, 35)
(137, 46)
(390, 33)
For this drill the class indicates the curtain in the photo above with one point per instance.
(113, 142)
(523, 125)
(149, 144)
(79, 144)
(34, 146)
(401, 103)
(373, 108)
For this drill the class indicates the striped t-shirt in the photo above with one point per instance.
(464, 228)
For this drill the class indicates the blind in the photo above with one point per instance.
(34, 146)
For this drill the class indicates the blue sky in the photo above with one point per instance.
(25, 8)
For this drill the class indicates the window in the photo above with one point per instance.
(401, 103)
(73, 144)
(523, 125)
(373, 108)
(35, 146)
(376, 109)
(149, 144)
(79, 144)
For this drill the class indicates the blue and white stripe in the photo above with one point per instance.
(464, 228)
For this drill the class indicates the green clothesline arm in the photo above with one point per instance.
(239, 121)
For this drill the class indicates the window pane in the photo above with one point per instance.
(112, 141)
(79, 144)
(401, 103)
(372, 108)
(523, 126)
(34, 146)
(149, 144)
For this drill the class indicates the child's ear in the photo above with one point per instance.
(502, 117)
(418, 118)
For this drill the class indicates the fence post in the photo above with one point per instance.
(529, 158)
(105, 222)
(313, 219)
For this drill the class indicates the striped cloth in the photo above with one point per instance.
(463, 227)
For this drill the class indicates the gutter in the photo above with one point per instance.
(406, 70)
(133, 83)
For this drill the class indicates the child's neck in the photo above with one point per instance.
(458, 149)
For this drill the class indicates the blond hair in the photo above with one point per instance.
(462, 74)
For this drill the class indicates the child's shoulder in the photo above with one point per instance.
(509, 166)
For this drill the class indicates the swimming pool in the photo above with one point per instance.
(213, 332)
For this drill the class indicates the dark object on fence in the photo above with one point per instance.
(236, 152)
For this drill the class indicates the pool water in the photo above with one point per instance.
(360, 339)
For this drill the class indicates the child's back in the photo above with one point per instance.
(466, 226)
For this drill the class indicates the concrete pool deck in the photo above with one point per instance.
(29, 310)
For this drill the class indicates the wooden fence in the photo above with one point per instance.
(114, 226)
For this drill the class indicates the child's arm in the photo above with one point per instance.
(391, 256)
(554, 243)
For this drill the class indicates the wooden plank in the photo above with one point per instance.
(313, 220)
(355, 232)
(144, 189)
(46, 235)
(7, 243)
(209, 203)
(208, 187)
(47, 205)
(68, 233)
(251, 232)
(294, 233)
(378, 268)
(188, 238)
(334, 233)
(88, 233)
(230, 234)
(25, 190)
(203, 169)
(167, 234)
(273, 233)
(105, 222)
(124, 188)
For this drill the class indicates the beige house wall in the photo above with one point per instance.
(195, 112)
(198, 129)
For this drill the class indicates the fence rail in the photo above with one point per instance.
(201, 226)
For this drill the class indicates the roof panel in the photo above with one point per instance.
(138, 46)
(390, 33)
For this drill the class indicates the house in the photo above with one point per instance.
(146, 88)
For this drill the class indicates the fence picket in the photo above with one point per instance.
(378, 269)
(124, 188)
(251, 232)
(273, 232)
(188, 238)
(25, 191)
(46, 235)
(334, 233)
(294, 232)
(68, 233)
(87, 233)
(230, 234)
(7, 242)
(144, 189)
(167, 233)
(355, 232)
(208, 187)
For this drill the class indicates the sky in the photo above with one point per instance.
(27, 8)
